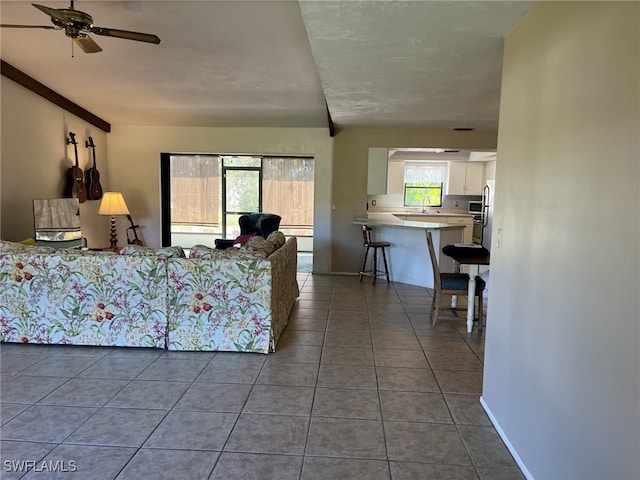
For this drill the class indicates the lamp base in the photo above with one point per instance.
(113, 237)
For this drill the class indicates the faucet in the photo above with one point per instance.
(424, 209)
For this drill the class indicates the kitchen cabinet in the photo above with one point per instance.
(490, 171)
(395, 178)
(465, 178)
(468, 226)
(377, 172)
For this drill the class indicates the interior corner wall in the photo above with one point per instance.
(562, 350)
(135, 155)
(350, 164)
(34, 159)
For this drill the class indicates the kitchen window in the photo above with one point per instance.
(423, 183)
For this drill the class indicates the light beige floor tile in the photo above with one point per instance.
(466, 409)
(425, 443)
(350, 438)
(442, 360)
(283, 434)
(428, 471)
(163, 463)
(323, 468)
(347, 356)
(457, 381)
(243, 466)
(407, 379)
(414, 407)
(347, 403)
(486, 447)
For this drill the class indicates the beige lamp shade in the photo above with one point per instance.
(113, 204)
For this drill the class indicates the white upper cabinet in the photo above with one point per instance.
(395, 178)
(490, 171)
(465, 178)
(377, 174)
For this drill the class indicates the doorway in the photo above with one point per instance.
(241, 191)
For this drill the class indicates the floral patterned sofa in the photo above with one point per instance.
(143, 297)
(233, 299)
(82, 298)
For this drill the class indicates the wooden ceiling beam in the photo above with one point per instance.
(21, 78)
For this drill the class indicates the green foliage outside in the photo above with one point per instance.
(418, 194)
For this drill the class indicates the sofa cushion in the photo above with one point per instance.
(277, 238)
(166, 252)
(200, 251)
(203, 252)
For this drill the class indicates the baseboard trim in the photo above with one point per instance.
(506, 441)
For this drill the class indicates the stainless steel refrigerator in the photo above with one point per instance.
(487, 213)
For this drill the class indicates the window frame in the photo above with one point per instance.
(437, 187)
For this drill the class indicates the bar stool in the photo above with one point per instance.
(374, 272)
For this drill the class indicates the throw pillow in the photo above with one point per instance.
(243, 239)
(277, 238)
(260, 245)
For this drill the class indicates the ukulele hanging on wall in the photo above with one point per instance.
(75, 178)
(94, 189)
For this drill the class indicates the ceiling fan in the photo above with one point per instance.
(77, 25)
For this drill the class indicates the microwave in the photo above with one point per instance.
(475, 207)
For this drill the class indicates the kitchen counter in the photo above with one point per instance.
(408, 256)
(424, 220)
(391, 220)
(432, 214)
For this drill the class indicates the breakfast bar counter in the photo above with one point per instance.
(408, 256)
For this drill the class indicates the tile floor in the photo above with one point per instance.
(361, 387)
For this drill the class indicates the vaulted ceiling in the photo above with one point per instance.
(387, 64)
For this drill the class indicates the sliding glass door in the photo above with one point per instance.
(242, 191)
(203, 195)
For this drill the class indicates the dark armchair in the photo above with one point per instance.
(259, 224)
(252, 224)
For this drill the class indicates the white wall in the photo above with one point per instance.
(35, 158)
(562, 359)
(134, 152)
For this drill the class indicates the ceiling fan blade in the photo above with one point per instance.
(48, 27)
(87, 44)
(138, 36)
(52, 12)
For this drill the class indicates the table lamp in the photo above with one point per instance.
(113, 204)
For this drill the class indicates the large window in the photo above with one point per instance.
(203, 195)
(423, 183)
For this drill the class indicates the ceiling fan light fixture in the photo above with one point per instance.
(86, 43)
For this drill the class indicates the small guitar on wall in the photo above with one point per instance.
(94, 189)
(75, 178)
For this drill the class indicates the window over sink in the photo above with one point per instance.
(423, 182)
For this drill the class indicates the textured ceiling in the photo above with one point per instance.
(265, 63)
